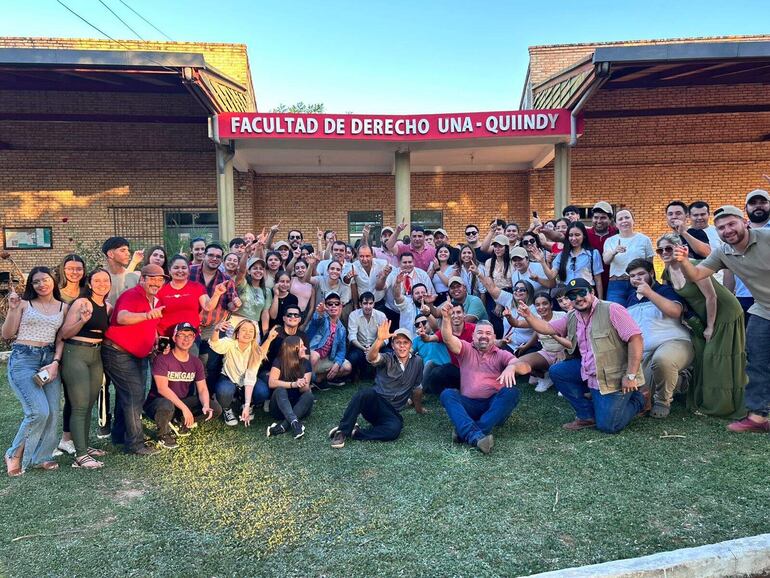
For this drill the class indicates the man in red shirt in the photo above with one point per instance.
(488, 392)
(441, 377)
(602, 229)
(127, 342)
(422, 252)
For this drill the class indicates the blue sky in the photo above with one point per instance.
(392, 56)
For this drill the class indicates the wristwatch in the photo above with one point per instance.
(631, 376)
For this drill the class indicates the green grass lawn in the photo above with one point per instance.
(231, 502)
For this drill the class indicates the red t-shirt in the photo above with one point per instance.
(597, 243)
(181, 305)
(466, 335)
(137, 339)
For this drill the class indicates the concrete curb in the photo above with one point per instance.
(741, 557)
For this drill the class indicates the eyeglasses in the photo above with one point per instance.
(528, 242)
(333, 303)
(471, 233)
(294, 238)
(418, 323)
(519, 289)
(292, 315)
(668, 250)
(577, 294)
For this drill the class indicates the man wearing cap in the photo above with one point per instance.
(601, 230)
(696, 239)
(472, 306)
(129, 340)
(362, 332)
(422, 254)
(179, 389)
(328, 339)
(526, 270)
(382, 252)
(758, 209)
(441, 239)
(488, 392)
(446, 375)
(610, 345)
(398, 378)
(745, 252)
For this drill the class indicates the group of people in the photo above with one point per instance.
(266, 324)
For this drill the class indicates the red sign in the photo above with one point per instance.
(413, 127)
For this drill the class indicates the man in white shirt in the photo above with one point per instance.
(364, 272)
(412, 276)
(338, 254)
(409, 305)
(362, 333)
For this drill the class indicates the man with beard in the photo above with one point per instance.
(696, 239)
(408, 305)
(745, 252)
(609, 367)
(295, 239)
(488, 392)
(601, 230)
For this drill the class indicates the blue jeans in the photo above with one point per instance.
(612, 411)
(225, 392)
(619, 291)
(128, 375)
(758, 365)
(474, 418)
(38, 430)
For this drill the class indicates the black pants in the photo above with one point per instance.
(442, 377)
(393, 316)
(362, 369)
(286, 407)
(386, 421)
(162, 411)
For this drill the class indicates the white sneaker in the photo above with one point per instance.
(543, 384)
(65, 447)
(266, 406)
(230, 418)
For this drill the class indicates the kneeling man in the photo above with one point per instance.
(179, 389)
(488, 393)
(399, 376)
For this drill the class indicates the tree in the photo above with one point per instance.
(301, 108)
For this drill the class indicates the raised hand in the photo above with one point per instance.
(681, 253)
(221, 288)
(320, 308)
(524, 310)
(14, 301)
(138, 256)
(86, 311)
(401, 226)
(383, 330)
(274, 228)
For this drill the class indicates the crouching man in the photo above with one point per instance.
(610, 345)
(398, 377)
(488, 393)
(179, 390)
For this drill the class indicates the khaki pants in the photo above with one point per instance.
(662, 366)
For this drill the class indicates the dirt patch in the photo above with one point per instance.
(125, 497)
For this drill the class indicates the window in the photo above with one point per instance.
(172, 227)
(428, 220)
(356, 222)
(585, 212)
(183, 226)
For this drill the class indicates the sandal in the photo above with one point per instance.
(87, 462)
(48, 466)
(12, 472)
(96, 453)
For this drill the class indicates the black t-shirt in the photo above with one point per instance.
(275, 346)
(482, 256)
(283, 303)
(701, 235)
(293, 393)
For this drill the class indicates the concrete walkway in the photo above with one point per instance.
(741, 557)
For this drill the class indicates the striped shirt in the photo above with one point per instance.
(222, 310)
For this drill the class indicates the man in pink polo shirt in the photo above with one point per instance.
(610, 345)
(422, 252)
(488, 392)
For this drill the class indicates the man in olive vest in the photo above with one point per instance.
(610, 346)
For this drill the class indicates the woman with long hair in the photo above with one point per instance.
(253, 293)
(619, 251)
(292, 399)
(718, 337)
(34, 320)
(242, 356)
(440, 271)
(82, 371)
(71, 276)
(230, 264)
(302, 290)
(273, 264)
(519, 338)
(578, 260)
(282, 297)
(156, 255)
(498, 267)
(468, 268)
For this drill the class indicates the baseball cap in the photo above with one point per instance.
(440, 232)
(389, 229)
(757, 193)
(184, 326)
(501, 240)
(153, 271)
(253, 261)
(604, 207)
(403, 332)
(281, 244)
(519, 252)
(728, 210)
(114, 243)
(332, 295)
(576, 284)
(455, 279)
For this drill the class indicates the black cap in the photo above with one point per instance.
(185, 326)
(114, 243)
(579, 283)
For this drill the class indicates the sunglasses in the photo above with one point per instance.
(294, 238)
(333, 303)
(528, 242)
(292, 315)
(519, 289)
(578, 294)
(667, 250)
(471, 233)
(418, 323)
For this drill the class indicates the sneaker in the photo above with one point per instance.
(230, 418)
(333, 431)
(356, 429)
(168, 442)
(484, 445)
(275, 429)
(338, 441)
(543, 385)
(265, 407)
(145, 450)
(323, 386)
(104, 432)
(579, 424)
(335, 383)
(179, 428)
(65, 447)
(748, 424)
(298, 429)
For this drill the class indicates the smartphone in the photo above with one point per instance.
(534, 214)
(41, 377)
(163, 343)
